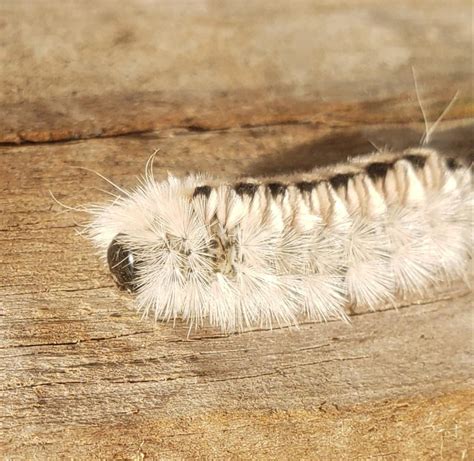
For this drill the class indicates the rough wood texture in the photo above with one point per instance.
(84, 376)
(231, 89)
(73, 70)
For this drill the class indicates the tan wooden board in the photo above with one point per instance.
(83, 377)
(231, 88)
(72, 70)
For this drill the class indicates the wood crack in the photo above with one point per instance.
(78, 341)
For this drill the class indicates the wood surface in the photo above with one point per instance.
(82, 376)
(73, 70)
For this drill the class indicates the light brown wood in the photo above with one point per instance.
(83, 376)
(233, 89)
(72, 71)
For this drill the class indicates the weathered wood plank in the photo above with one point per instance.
(83, 376)
(229, 88)
(76, 70)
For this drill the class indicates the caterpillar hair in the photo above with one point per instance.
(259, 252)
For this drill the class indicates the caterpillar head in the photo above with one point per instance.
(122, 264)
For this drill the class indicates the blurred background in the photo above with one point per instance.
(230, 88)
(77, 69)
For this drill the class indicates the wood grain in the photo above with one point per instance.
(81, 70)
(84, 377)
(232, 88)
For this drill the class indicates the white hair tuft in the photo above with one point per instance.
(263, 252)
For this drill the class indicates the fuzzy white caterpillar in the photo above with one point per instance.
(265, 251)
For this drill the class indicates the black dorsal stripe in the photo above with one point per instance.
(246, 188)
(202, 191)
(378, 170)
(277, 188)
(417, 161)
(452, 163)
(340, 180)
(306, 186)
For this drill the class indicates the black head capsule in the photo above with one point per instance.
(122, 265)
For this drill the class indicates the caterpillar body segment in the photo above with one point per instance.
(264, 251)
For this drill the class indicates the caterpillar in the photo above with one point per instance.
(266, 251)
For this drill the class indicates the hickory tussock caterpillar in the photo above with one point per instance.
(264, 251)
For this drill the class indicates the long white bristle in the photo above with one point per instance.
(263, 252)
